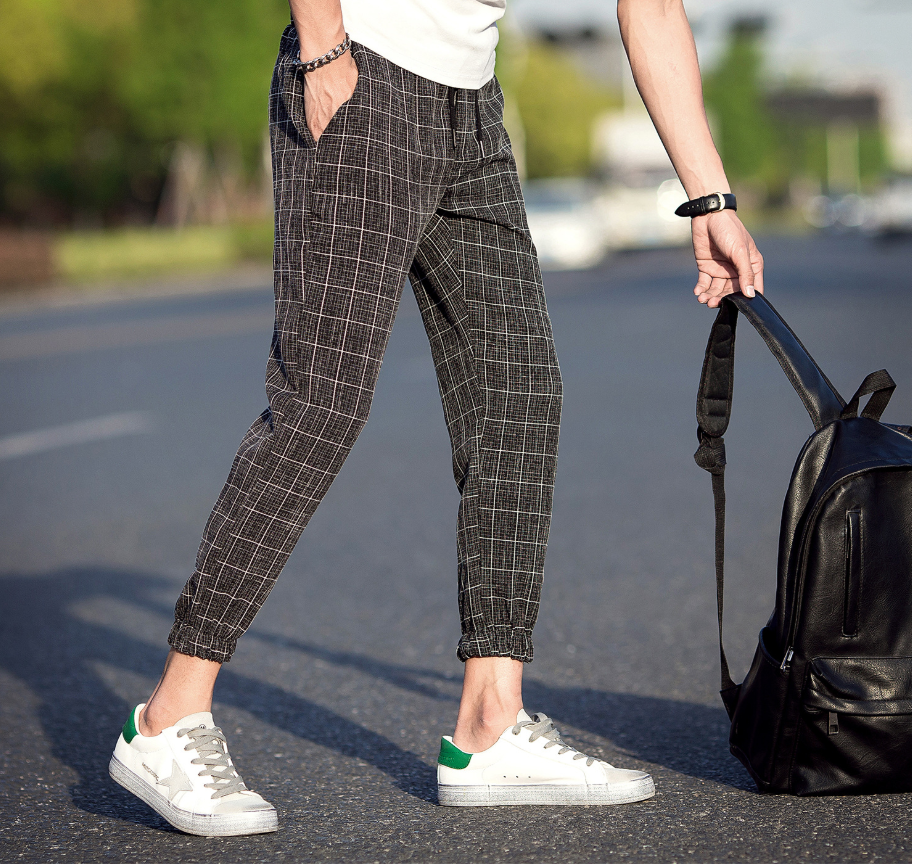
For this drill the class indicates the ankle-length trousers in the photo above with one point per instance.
(410, 178)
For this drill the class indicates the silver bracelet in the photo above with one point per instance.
(328, 57)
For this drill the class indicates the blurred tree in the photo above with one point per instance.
(557, 103)
(736, 97)
(93, 97)
(766, 147)
(60, 122)
(200, 71)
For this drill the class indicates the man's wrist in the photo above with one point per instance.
(319, 29)
(706, 204)
(316, 45)
(315, 63)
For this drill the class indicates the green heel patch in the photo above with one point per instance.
(129, 729)
(452, 756)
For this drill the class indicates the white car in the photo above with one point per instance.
(566, 223)
(641, 217)
(890, 211)
(576, 223)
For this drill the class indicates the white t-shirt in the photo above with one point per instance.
(451, 42)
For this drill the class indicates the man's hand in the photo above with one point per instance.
(663, 58)
(325, 89)
(727, 258)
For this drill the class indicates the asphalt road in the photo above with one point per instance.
(119, 422)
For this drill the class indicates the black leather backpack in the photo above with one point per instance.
(826, 707)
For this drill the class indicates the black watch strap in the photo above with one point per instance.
(708, 204)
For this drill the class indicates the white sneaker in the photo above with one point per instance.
(529, 764)
(187, 776)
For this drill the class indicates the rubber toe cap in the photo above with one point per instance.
(242, 802)
(621, 775)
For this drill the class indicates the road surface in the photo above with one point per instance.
(120, 420)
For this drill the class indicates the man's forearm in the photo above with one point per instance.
(319, 25)
(663, 58)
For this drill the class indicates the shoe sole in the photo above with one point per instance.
(200, 824)
(498, 796)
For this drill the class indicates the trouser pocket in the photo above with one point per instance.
(856, 727)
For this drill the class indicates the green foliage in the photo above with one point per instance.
(734, 93)
(200, 71)
(767, 151)
(872, 154)
(92, 95)
(88, 256)
(558, 106)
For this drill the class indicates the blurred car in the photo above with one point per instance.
(566, 223)
(642, 216)
(576, 223)
(890, 211)
(839, 212)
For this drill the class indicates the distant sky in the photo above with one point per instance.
(842, 43)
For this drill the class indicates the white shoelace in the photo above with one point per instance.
(213, 753)
(541, 726)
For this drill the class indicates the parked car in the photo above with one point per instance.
(640, 217)
(566, 223)
(576, 223)
(890, 211)
(839, 212)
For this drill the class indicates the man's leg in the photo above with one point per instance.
(348, 220)
(349, 213)
(185, 687)
(480, 292)
(479, 288)
(491, 699)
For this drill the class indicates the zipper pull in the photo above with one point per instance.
(787, 660)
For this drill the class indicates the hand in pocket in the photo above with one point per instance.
(327, 88)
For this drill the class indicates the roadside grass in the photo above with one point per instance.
(135, 253)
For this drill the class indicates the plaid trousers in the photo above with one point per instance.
(410, 178)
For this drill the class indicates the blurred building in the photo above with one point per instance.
(628, 199)
(843, 116)
(843, 47)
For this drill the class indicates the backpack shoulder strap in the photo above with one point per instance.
(714, 401)
(821, 399)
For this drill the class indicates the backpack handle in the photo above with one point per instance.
(882, 386)
(820, 397)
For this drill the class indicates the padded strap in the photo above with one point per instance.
(882, 386)
(714, 401)
(820, 397)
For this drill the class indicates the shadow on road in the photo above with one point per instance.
(53, 652)
(683, 736)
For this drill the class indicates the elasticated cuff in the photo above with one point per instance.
(505, 641)
(186, 640)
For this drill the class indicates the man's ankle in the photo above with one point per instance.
(481, 732)
(149, 724)
(153, 718)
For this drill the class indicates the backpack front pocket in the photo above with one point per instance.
(856, 727)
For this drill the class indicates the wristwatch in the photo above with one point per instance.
(708, 204)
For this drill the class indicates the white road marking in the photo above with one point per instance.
(81, 432)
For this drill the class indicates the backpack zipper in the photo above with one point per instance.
(805, 551)
(787, 660)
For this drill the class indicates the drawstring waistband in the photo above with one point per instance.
(453, 101)
(452, 95)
